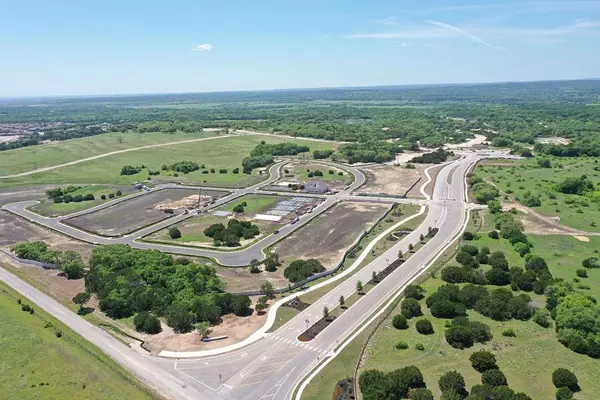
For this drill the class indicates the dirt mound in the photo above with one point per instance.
(582, 238)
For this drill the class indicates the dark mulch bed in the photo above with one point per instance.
(315, 329)
(344, 390)
(388, 270)
(297, 304)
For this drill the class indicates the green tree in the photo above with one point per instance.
(266, 288)
(452, 381)
(342, 302)
(203, 329)
(359, 287)
(410, 308)
(562, 377)
(174, 233)
(179, 318)
(71, 263)
(493, 377)
(326, 313)
(80, 299)
(483, 360)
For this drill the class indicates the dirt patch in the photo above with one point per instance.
(56, 286)
(133, 214)
(241, 280)
(15, 230)
(327, 237)
(14, 195)
(582, 238)
(388, 179)
(236, 329)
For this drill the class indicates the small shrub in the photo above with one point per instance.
(542, 318)
(174, 233)
(399, 322)
(424, 326)
(494, 235)
(103, 197)
(582, 273)
(402, 345)
(419, 346)
(58, 333)
(509, 333)
(119, 193)
(468, 235)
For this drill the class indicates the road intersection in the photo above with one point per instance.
(275, 364)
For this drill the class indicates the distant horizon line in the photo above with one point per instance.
(412, 85)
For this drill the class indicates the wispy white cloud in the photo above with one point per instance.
(578, 27)
(386, 21)
(521, 7)
(203, 47)
(463, 33)
(405, 44)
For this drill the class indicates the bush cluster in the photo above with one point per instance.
(299, 270)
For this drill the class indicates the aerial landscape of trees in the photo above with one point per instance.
(129, 281)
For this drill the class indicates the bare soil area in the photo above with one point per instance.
(297, 173)
(538, 224)
(16, 194)
(15, 230)
(389, 179)
(327, 237)
(56, 286)
(236, 329)
(241, 280)
(131, 215)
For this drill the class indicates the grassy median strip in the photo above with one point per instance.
(42, 358)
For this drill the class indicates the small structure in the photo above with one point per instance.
(138, 186)
(316, 187)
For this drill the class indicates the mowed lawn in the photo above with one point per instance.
(35, 364)
(220, 153)
(34, 157)
(527, 360)
(516, 179)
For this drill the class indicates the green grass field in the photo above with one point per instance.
(34, 157)
(517, 357)
(50, 209)
(527, 360)
(38, 365)
(526, 176)
(219, 153)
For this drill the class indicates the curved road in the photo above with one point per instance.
(237, 258)
(272, 367)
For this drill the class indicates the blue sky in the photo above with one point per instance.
(67, 47)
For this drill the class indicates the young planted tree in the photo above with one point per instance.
(342, 302)
(410, 247)
(374, 277)
(400, 255)
(254, 269)
(359, 287)
(326, 313)
(203, 329)
(266, 288)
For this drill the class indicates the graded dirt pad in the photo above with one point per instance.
(241, 280)
(582, 238)
(394, 180)
(297, 172)
(15, 230)
(236, 329)
(16, 194)
(329, 235)
(133, 214)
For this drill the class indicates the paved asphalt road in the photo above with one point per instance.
(238, 258)
(271, 367)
